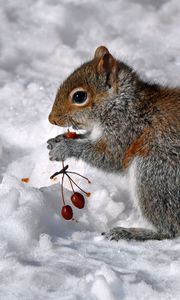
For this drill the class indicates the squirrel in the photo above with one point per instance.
(137, 124)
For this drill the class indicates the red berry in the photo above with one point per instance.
(67, 212)
(70, 135)
(78, 200)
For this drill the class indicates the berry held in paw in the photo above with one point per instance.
(70, 135)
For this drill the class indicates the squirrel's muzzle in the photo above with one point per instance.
(53, 119)
(58, 120)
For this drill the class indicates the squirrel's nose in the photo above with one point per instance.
(52, 119)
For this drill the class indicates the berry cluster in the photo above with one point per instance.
(77, 199)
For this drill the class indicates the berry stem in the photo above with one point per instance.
(70, 183)
(76, 183)
(60, 172)
(62, 190)
(79, 175)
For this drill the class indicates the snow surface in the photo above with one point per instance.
(43, 256)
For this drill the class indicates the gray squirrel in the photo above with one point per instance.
(135, 123)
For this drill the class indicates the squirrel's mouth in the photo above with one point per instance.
(66, 121)
(76, 124)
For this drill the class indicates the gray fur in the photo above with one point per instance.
(123, 116)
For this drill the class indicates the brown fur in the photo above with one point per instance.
(138, 148)
(167, 105)
(101, 146)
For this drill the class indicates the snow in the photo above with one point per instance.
(43, 256)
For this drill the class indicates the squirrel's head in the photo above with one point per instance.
(85, 90)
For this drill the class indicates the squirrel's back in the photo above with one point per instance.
(166, 120)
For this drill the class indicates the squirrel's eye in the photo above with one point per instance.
(79, 97)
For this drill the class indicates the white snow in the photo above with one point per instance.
(43, 256)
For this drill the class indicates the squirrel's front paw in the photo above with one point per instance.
(60, 151)
(52, 142)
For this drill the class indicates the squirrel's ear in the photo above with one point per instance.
(100, 52)
(109, 66)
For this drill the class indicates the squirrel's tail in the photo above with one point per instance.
(138, 234)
